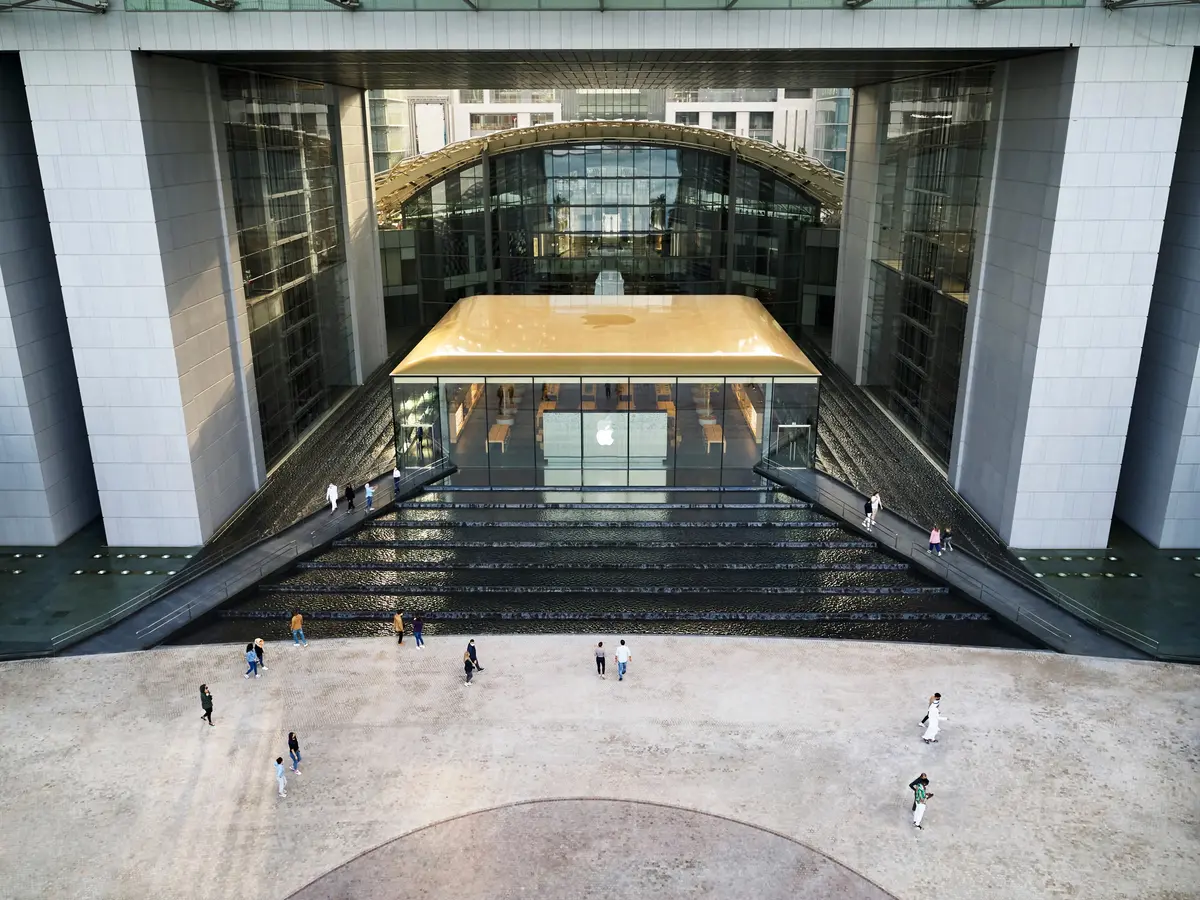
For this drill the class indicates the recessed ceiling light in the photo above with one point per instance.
(148, 572)
(101, 572)
(124, 571)
(1067, 558)
(79, 571)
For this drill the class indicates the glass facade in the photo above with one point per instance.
(558, 216)
(283, 164)
(614, 103)
(605, 431)
(932, 159)
(832, 127)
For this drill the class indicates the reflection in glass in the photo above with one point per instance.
(932, 153)
(561, 215)
(286, 201)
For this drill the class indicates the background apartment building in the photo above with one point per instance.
(404, 123)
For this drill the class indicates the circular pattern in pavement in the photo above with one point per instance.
(586, 849)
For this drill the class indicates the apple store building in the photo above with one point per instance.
(618, 390)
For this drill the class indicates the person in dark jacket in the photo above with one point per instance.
(259, 648)
(468, 668)
(922, 780)
(350, 496)
(206, 703)
(294, 752)
(471, 655)
(418, 631)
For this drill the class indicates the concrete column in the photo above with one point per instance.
(364, 275)
(1085, 154)
(857, 241)
(47, 488)
(125, 147)
(1159, 493)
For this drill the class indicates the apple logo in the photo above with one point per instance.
(604, 432)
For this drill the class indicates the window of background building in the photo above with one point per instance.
(762, 126)
(601, 103)
(541, 118)
(687, 118)
(487, 123)
(725, 121)
(511, 96)
(797, 93)
(470, 96)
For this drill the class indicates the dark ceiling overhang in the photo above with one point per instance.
(680, 69)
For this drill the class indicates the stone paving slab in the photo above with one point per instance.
(1055, 776)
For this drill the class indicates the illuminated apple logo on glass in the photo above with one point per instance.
(604, 432)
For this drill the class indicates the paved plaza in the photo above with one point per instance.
(721, 767)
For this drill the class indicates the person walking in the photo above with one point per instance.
(471, 655)
(206, 703)
(259, 649)
(947, 538)
(418, 630)
(331, 494)
(920, 795)
(395, 482)
(294, 752)
(934, 724)
(349, 497)
(252, 659)
(921, 780)
(369, 490)
(871, 508)
(398, 626)
(298, 637)
(468, 665)
(935, 700)
(600, 659)
(935, 541)
(623, 657)
(280, 777)
(420, 443)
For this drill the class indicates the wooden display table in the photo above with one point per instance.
(498, 434)
(713, 435)
(624, 405)
(587, 404)
(667, 406)
(662, 391)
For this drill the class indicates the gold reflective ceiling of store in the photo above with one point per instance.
(661, 336)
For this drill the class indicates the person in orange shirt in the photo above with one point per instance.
(298, 629)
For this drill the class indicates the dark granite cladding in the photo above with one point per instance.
(855, 543)
(602, 507)
(416, 523)
(664, 615)
(559, 561)
(669, 567)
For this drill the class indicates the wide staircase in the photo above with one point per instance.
(679, 560)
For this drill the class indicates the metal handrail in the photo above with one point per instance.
(1027, 579)
(1017, 614)
(316, 537)
(206, 565)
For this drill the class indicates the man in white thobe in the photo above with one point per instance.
(331, 494)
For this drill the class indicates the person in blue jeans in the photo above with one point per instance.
(623, 657)
(418, 630)
(298, 630)
(294, 752)
(252, 659)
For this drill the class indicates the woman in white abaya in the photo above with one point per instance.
(934, 725)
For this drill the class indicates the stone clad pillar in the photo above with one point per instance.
(1085, 152)
(47, 488)
(129, 166)
(1159, 495)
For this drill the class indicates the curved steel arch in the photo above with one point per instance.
(410, 176)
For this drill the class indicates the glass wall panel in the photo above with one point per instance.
(792, 438)
(560, 431)
(464, 422)
(563, 214)
(510, 440)
(933, 155)
(418, 425)
(285, 179)
(746, 404)
(700, 430)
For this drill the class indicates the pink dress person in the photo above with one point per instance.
(935, 541)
